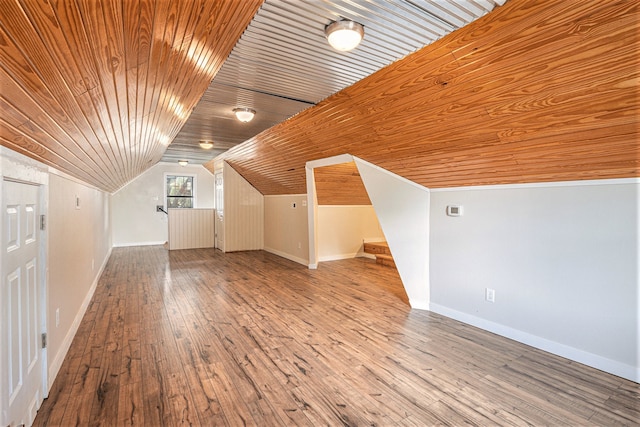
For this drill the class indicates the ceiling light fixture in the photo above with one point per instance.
(344, 35)
(244, 114)
(206, 145)
(183, 162)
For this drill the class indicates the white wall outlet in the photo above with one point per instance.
(57, 317)
(490, 295)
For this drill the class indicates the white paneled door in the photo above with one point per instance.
(20, 299)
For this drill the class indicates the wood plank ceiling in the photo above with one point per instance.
(536, 91)
(283, 64)
(98, 89)
(340, 185)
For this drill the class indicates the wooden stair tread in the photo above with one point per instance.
(381, 251)
(377, 248)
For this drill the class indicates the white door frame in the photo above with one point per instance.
(312, 201)
(18, 168)
(406, 200)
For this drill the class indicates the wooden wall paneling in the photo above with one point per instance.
(165, 72)
(54, 138)
(41, 14)
(150, 68)
(43, 70)
(45, 106)
(71, 25)
(194, 55)
(114, 30)
(103, 26)
(31, 148)
(138, 22)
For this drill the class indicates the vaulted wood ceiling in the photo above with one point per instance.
(98, 89)
(538, 90)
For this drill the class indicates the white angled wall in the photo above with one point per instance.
(562, 259)
(402, 207)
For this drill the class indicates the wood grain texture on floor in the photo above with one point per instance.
(198, 337)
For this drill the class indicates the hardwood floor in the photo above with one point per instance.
(205, 338)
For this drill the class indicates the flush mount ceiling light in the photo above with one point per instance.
(244, 114)
(344, 35)
(183, 162)
(206, 145)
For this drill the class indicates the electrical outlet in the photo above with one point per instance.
(159, 208)
(57, 317)
(490, 295)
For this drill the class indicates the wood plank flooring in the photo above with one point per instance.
(198, 337)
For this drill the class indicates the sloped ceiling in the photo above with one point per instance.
(98, 89)
(102, 90)
(535, 91)
(282, 63)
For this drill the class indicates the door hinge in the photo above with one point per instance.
(44, 340)
(42, 222)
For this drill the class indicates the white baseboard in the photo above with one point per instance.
(126, 245)
(419, 305)
(56, 363)
(287, 256)
(337, 257)
(602, 363)
(373, 240)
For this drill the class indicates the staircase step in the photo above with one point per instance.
(384, 259)
(377, 248)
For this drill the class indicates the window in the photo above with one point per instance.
(180, 190)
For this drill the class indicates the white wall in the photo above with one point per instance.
(562, 258)
(133, 207)
(342, 230)
(79, 247)
(285, 227)
(402, 207)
